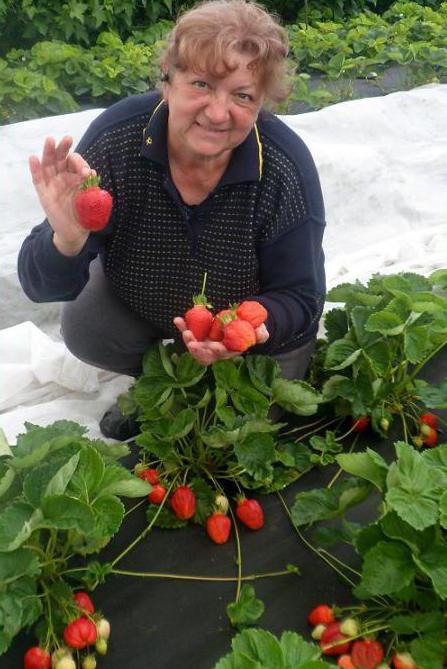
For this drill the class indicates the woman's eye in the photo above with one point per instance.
(245, 97)
(199, 84)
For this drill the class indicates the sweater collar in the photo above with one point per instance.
(245, 163)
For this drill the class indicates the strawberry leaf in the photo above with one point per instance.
(434, 397)
(247, 609)
(387, 568)
(428, 651)
(433, 562)
(368, 465)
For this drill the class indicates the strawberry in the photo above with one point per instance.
(93, 205)
(218, 527)
(321, 615)
(157, 494)
(430, 439)
(84, 602)
(333, 641)
(345, 662)
(253, 312)
(349, 626)
(317, 631)
(103, 628)
(216, 332)
(89, 662)
(250, 512)
(221, 503)
(149, 475)
(101, 646)
(183, 502)
(37, 658)
(360, 424)
(80, 633)
(367, 653)
(429, 419)
(238, 336)
(66, 662)
(404, 661)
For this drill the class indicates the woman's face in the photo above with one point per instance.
(209, 117)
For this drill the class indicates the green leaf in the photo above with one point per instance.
(293, 454)
(368, 537)
(18, 521)
(62, 512)
(297, 651)
(387, 568)
(89, 473)
(314, 505)
(365, 465)
(359, 316)
(425, 302)
(385, 322)
(336, 324)
(189, 372)
(166, 360)
(18, 563)
(119, 481)
(226, 374)
(247, 610)
(395, 528)
(379, 357)
(153, 365)
(433, 563)
(6, 482)
(260, 647)
(182, 424)
(50, 477)
(262, 370)
(443, 510)
(5, 448)
(416, 341)
(341, 354)
(256, 451)
(298, 397)
(345, 291)
(338, 386)
(417, 623)
(428, 651)
(434, 397)
(204, 499)
(413, 488)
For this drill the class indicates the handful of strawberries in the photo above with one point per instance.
(234, 327)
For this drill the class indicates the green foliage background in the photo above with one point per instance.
(61, 57)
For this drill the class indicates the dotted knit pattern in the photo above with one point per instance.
(160, 250)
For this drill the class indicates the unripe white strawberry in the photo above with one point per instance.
(318, 631)
(66, 662)
(103, 628)
(101, 646)
(221, 503)
(349, 627)
(89, 662)
(58, 655)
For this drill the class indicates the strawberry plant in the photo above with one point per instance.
(376, 346)
(59, 499)
(401, 584)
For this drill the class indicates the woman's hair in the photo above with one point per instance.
(205, 37)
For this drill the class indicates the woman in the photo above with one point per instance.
(203, 180)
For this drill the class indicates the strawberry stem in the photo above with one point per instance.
(202, 292)
(188, 577)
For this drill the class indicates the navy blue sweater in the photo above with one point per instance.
(258, 234)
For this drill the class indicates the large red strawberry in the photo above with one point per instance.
(37, 658)
(253, 312)
(238, 336)
(321, 615)
(367, 653)
(250, 512)
(216, 332)
(429, 419)
(84, 602)
(218, 527)
(333, 641)
(199, 319)
(80, 633)
(345, 662)
(93, 204)
(183, 502)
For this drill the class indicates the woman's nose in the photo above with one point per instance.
(218, 109)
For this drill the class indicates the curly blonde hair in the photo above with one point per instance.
(204, 38)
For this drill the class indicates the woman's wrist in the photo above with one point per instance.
(69, 249)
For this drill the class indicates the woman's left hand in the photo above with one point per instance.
(206, 352)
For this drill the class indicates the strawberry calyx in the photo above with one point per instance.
(91, 181)
(201, 301)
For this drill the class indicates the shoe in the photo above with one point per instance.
(114, 425)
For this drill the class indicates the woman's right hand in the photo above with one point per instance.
(56, 178)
